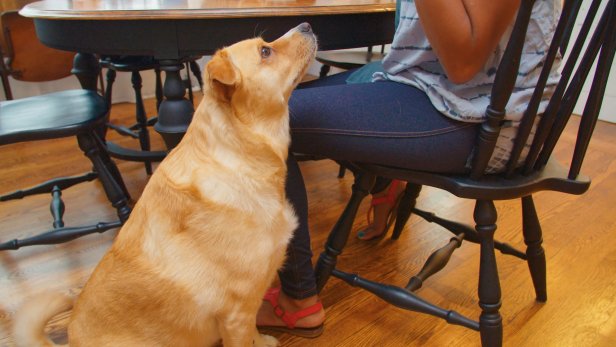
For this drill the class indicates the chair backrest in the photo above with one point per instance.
(576, 66)
(27, 59)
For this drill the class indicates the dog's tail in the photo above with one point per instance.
(31, 318)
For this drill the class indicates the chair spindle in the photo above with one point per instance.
(57, 207)
(597, 91)
(574, 89)
(566, 21)
(549, 115)
(505, 78)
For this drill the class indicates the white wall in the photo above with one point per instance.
(608, 109)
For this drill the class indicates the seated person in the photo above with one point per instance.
(427, 102)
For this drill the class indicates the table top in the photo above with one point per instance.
(194, 9)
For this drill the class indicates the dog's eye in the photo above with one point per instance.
(265, 52)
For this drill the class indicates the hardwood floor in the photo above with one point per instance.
(579, 237)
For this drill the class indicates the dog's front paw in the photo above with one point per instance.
(265, 341)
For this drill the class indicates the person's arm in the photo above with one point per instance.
(463, 33)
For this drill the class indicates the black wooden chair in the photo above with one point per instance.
(139, 130)
(79, 113)
(538, 172)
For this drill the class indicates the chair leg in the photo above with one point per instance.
(196, 70)
(120, 129)
(341, 171)
(340, 233)
(159, 88)
(111, 76)
(8, 94)
(4, 76)
(188, 84)
(142, 120)
(534, 251)
(111, 166)
(101, 82)
(405, 207)
(324, 70)
(490, 321)
(108, 173)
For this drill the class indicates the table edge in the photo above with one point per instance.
(34, 13)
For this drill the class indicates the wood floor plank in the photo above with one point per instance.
(579, 238)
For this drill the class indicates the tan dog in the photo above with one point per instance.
(203, 243)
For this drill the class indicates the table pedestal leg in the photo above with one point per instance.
(175, 112)
(87, 69)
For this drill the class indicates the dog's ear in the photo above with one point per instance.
(222, 75)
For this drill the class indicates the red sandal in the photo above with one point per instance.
(392, 200)
(290, 318)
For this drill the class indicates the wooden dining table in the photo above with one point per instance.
(172, 30)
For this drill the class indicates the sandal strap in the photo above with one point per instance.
(389, 198)
(289, 318)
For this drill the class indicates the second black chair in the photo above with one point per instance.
(75, 113)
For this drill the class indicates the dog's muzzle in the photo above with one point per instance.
(305, 28)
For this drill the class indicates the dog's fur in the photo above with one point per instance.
(203, 243)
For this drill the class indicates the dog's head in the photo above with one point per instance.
(258, 76)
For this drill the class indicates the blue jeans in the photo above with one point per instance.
(385, 123)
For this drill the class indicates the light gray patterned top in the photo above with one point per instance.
(411, 60)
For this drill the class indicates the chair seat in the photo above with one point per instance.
(348, 60)
(130, 63)
(136, 63)
(492, 187)
(54, 115)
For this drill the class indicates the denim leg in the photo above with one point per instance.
(297, 275)
(384, 123)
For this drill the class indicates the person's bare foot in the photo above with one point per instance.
(266, 316)
(382, 212)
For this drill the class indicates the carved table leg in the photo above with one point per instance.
(534, 251)
(490, 321)
(87, 70)
(175, 112)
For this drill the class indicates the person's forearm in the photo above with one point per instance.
(463, 33)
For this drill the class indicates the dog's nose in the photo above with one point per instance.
(305, 28)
